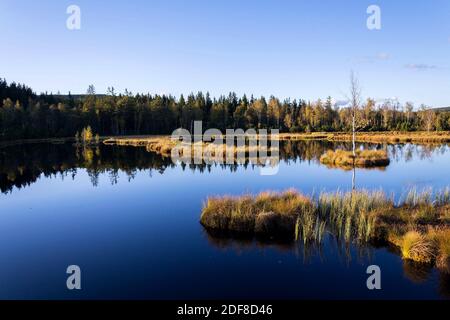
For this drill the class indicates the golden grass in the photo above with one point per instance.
(163, 144)
(347, 214)
(420, 231)
(416, 246)
(158, 144)
(441, 237)
(363, 159)
(377, 137)
(198, 151)
(425, 245)
(268, 214)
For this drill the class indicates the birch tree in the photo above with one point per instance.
(355, 103)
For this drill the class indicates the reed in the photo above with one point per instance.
(441, 237)
(419, 226)
(415, 198)
(348, 214)
(418, 247)
(442, 197)
(351, 213)
(267, 214)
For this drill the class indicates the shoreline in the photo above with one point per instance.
(375, 137)
(163, 145)
(418, 137)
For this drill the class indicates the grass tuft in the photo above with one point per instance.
(268, 214)
(417, 247)
(364, 158)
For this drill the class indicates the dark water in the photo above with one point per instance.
(130, 220)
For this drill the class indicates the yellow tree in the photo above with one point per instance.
(87, 135)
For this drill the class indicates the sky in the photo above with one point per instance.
(290, 49)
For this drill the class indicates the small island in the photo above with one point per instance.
(363, 159)
(418, 227)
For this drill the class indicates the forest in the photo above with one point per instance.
(27, 115)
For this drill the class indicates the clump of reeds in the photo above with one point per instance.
(309, 227)
(268, 214)
(415, 198)
(441, 238)
(418, 226)
(416, 246)
(363, 158)
(442, 197)
(350, 214)
(426, 206)
(162, 146)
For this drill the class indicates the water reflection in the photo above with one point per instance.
(333, 246)
(22, 165)
(142, 222)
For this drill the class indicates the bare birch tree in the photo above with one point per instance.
(355, 101)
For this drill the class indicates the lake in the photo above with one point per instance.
(130, 219)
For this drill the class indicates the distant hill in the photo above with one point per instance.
(442, 109)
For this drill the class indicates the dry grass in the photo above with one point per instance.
(377, 137)
(268, 214)
(199, 151)
(416, 246)
(349, 215)
(352, 215)
(419, 226)
(425, 245)
(162, 145)
(165, 143)
(363, 159)
(441, 237)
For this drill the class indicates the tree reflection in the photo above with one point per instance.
(22, 165)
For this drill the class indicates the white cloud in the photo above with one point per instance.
(420, 66)
(383, 56)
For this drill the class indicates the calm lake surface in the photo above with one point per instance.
(130, 220)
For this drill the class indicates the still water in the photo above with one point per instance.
(130, 220)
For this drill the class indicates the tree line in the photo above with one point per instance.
(24, 114)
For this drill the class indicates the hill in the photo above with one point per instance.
(443, 109)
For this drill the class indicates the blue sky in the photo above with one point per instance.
(297, 49)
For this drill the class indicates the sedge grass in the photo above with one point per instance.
(419, 226)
